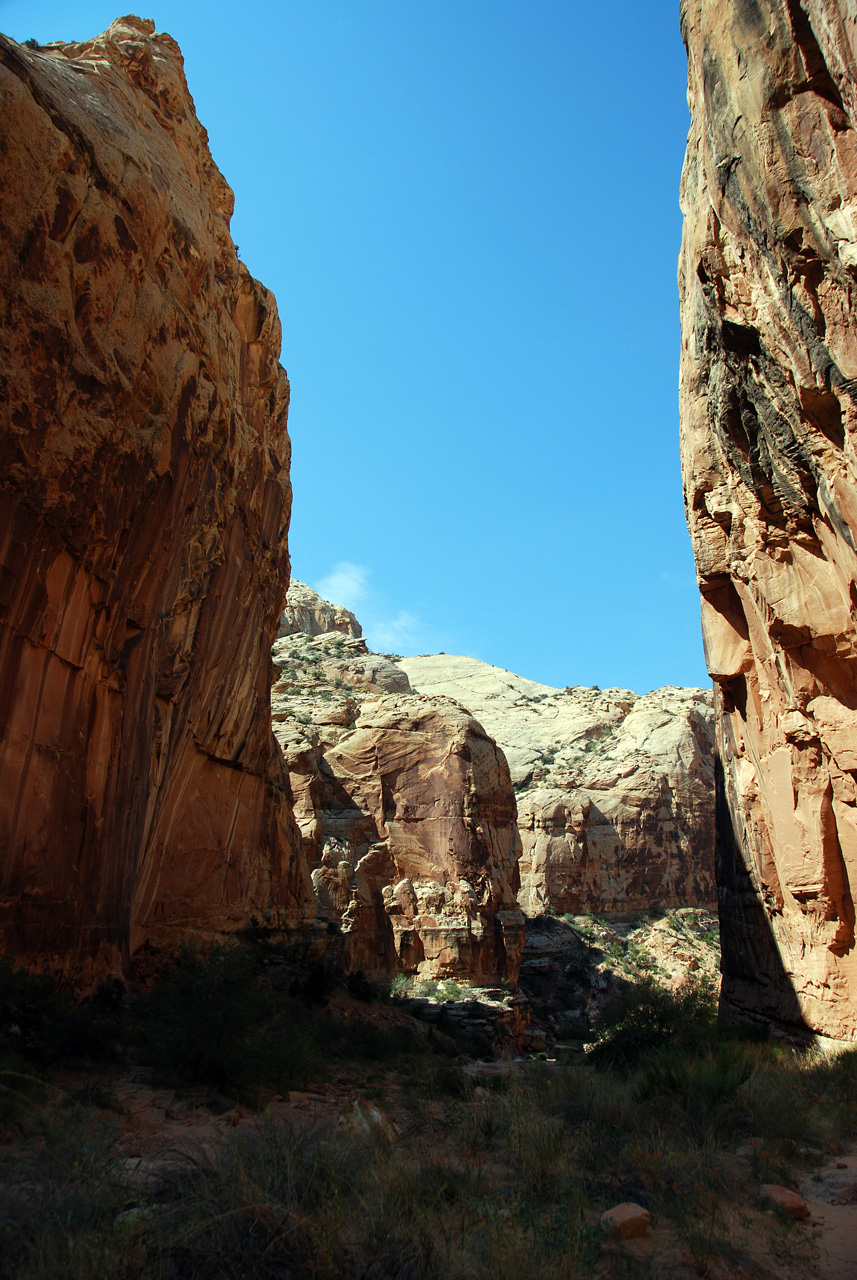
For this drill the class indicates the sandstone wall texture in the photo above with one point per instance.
(144, 504)
(768, 280)
(305, 611)
(615, 792)
(407, 814)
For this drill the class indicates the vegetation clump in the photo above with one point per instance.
(472, 1169)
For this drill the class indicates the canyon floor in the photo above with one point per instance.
(391, 1134)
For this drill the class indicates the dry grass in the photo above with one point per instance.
(491, 1175)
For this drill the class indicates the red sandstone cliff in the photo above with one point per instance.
(144, 505)
(768, 278)
(406, 809)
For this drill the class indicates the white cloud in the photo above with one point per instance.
(401, 634)
(345, 586)
(348, 585)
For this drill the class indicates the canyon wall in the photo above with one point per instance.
(768, 281)
(144, 505)
(406, 809)
(615, 792)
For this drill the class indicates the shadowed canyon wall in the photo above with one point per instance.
(768, 281)
(144, 505)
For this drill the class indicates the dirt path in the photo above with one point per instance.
(833, 1201)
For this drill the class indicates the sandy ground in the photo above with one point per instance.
(833, 1201)
(160, 1132)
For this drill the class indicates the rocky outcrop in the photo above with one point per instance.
(614, 791)
(144, 503)
(768, 279)
(307, 612)
(407, 814)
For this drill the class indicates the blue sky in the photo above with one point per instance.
(468, 212)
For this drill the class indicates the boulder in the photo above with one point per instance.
(626, 1221)
(768, 419)
(782, 1198)
(144, 506)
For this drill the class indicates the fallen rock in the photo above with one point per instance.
(794, 1204)
(769, 414)
(627, 1221)
(366, 1119)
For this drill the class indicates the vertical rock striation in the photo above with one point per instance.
(768, 281)
(144, 505)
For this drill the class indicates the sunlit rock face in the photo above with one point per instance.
(406, 809)
(144, 504)
(615, 792)
(308, 613)
(768, 280)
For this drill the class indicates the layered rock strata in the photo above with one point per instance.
(307, 612)
(768, 280)
(407, 814)
(144, 504)
(614, 791)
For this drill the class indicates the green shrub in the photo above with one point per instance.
(401, 986)
(642, 1018)
(703, 1077)
(358, 1038)
(315, 983)
(40, 1019)
(28, 1002)
(359, 986)
(196, 1020)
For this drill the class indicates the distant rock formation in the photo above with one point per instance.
(305, 611)
(614, 791)
(406, 804)
(768, 279)
(144, 504)
(406, 810)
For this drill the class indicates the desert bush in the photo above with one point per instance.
(359, 986)
(704, 1078)
(28, 1003)
(59, 1200)
(358, 1038)
(196, 1022)
(40, 1019)
(644, 1017)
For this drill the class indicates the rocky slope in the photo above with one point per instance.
(614, 791)
(144, 503)
(406, 810)
(768, 279)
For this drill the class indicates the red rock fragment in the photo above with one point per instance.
(783, 1198)
(627, 1221)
